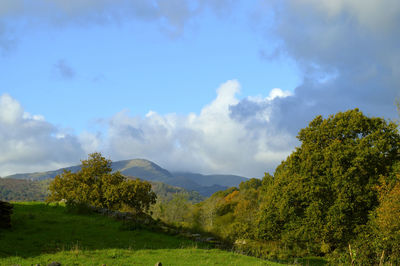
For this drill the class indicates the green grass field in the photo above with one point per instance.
(42, 234)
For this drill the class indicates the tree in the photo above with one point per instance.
(385, 222)
(326, 188)
(245, 211)
(96, 185)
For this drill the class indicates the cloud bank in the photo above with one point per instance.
(215, 140)
(220, 139)
(29, 143)
(348, 51)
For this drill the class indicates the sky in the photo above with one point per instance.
(209, 86)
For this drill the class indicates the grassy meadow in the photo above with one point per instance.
(41, 234)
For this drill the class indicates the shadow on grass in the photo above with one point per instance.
(38, 228)
(308, 261)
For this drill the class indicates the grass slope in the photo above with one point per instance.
(42, 234)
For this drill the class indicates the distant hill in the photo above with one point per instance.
(28, 190)
(211, 180)
(23, 190)
(206, 185)
(143, 169)
(43, 175)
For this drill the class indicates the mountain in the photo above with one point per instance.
(43, 175)
(210, 180)
(206, 185)
(28, 190)
(143, 169)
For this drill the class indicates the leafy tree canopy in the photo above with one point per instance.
(326, 188)
(96, 185)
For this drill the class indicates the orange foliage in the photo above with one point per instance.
(228, 198)
(388, 212)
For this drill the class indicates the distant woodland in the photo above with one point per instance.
(23, 190)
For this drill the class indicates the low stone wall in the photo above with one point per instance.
(5, 214)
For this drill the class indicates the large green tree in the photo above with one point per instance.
(96, 185)
(326, 188)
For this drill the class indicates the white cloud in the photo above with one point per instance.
(10, 111)
(90, 142)
(214, 141)
(278, 93)
(29, 143)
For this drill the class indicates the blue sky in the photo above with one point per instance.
(137, 66)
(208, 86)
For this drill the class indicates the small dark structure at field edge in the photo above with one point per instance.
(5, 214)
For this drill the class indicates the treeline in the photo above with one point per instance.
(337, 195)
(23, 190)
(166, 193)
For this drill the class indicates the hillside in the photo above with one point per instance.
(37, 176)
(23, 190)
(42, 234)
(211, 180)
(28, 190)
(206, 185)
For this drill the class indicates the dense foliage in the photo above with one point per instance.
(96, 185)
(338, 195)
(167, 192)
(326, 187)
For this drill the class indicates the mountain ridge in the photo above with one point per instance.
(145, 169)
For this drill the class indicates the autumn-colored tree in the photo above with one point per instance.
(385, 221)
(96, 185)
(326, 188)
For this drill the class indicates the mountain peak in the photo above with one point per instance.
(148, 170)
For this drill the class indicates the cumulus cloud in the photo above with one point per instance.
(348, 51)
(29, 143)
(217, 140)
(222, 138)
